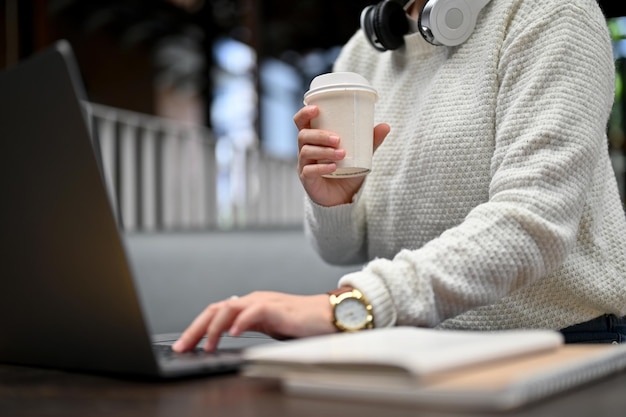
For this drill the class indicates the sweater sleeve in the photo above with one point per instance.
(555, 94)
(338, 234)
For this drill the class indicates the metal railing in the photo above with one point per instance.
(167, 175)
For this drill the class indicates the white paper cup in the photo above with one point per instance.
(346, 107)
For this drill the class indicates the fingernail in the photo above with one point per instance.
(177, 346)
(334, 140)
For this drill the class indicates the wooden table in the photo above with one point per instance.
(40, 392)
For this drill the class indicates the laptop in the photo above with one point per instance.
(68, 298)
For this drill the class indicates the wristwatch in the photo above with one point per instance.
(351, 310)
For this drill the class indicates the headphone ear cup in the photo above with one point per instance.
(449, 22)
(390, 22)
(385, 25)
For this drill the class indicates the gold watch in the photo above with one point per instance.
(351, 310)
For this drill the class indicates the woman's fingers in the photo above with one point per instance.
(380, 133)
(303, 117)
(252, 318)
(276, 314)
(222, 321)
(311, 155)
(196, 330)
(311, 152)
(319, 138)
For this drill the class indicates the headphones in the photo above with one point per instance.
(441, 22)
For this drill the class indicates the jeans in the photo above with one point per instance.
(607, 328)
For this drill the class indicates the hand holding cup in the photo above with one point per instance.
(337, 137)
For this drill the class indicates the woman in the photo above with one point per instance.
(491, 203)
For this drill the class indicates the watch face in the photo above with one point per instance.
(352, 314)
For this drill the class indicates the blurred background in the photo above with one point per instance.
(192, 100)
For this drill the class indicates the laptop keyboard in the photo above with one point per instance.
(165, 353)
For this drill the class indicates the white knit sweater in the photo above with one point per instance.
(492, 203)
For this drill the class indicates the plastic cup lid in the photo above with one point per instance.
(339, 81)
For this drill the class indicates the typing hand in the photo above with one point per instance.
(278, 315)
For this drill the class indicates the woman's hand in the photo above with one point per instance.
(316, 145)
(278, 315)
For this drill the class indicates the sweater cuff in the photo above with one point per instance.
(376, 293)
(335, 216)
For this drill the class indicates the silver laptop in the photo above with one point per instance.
(68, 299)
